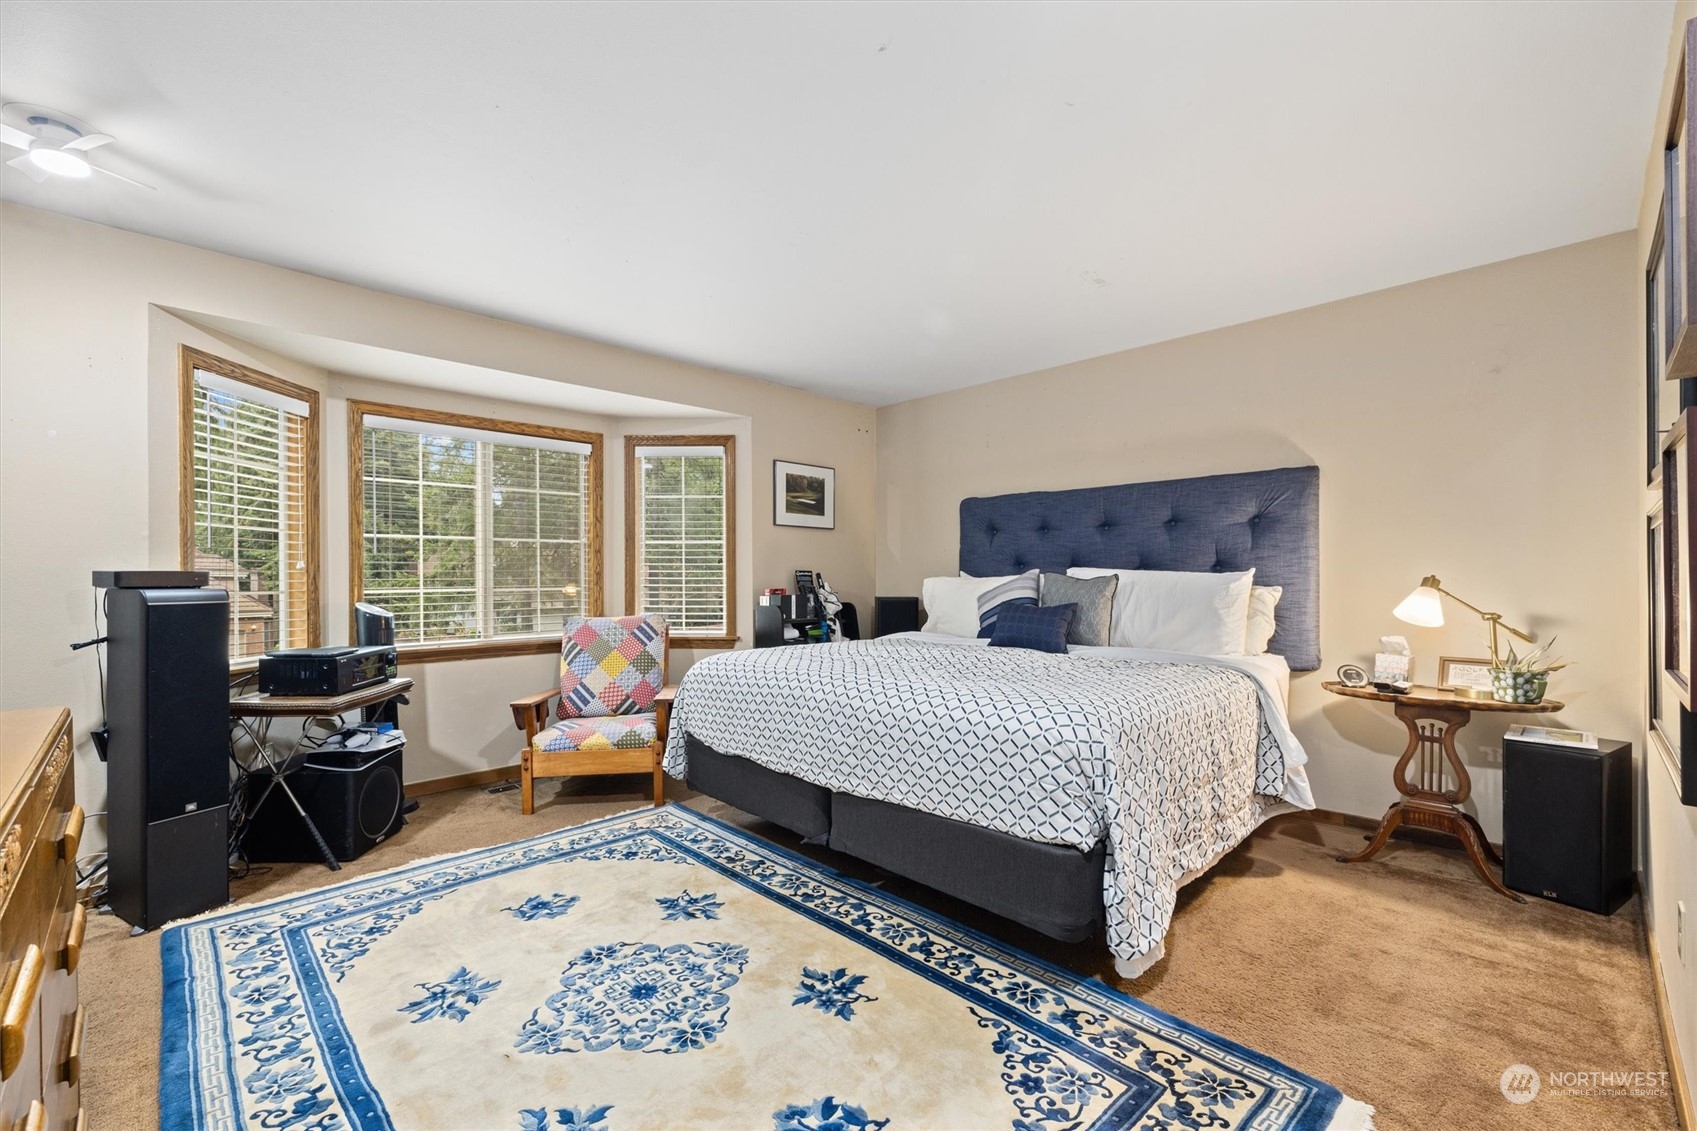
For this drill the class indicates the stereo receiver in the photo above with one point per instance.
(325, 671)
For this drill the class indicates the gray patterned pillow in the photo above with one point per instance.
(1094, 597)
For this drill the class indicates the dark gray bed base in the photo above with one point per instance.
(1048, 887)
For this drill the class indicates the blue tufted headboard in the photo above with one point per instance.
(1265, 520)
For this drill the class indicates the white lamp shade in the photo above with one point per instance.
(1422, 607)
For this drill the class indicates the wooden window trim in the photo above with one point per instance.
(190, 359)
(705, 642)
(633, 490)
(438, 652)
(478, 649)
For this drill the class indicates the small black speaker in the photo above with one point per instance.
(895, 614)
(354, 798)
(1567, 823)
(768, 626)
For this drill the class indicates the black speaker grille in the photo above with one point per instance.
(379, 802)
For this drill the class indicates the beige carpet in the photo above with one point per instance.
(1404, 981)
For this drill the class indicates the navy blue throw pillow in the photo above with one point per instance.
(1028, 626)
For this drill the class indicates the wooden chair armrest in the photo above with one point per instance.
(531, 711)
(663, 712)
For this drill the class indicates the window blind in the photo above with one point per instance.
(250, 536)
(472, 534)
(681, 571)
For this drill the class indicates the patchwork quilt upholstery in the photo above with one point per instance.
(603, 732)
(611, 666)
(1169, 761)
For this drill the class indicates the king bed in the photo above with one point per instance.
(1068, 792)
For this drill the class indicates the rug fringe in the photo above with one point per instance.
(1352, 1115)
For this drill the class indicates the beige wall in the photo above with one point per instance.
(1480, 426)
(87, 451)
(1669, 873)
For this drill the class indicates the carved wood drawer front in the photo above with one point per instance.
(41, 924)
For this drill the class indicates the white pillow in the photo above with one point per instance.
(982, 599)
(1262, 600)
(1203, 614)
(951, 603)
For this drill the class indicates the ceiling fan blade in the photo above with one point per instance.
(121, 177)
(28, 168)
(13, 136)
(88, 141)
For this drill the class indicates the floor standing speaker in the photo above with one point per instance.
(1567, 823)
(895, 614)
(168, 775)
(354, 798)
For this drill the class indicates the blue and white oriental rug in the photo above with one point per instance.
(660, 969)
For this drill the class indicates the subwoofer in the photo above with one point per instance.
(354, 798)
(895, 614)
(168, 769)
(1567, 823)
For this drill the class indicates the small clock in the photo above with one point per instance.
(1350, 675)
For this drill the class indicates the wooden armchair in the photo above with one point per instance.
(614, 705)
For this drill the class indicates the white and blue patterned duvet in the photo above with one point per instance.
(1174, 760)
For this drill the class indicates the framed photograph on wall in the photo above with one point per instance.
(1673, 602)
(804, 495)
(1679, 232)
(1457, 673)
(1661, 396)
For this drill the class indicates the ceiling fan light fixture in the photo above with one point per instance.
(63, 163)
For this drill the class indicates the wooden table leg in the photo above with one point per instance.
(1478, 848)
(1387, 825)
(1430, 801)
(1491, 854)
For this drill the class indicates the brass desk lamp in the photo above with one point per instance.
(1423, 607)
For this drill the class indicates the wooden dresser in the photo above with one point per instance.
(41, 924)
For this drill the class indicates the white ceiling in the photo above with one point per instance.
(875, 201)
(355, 359)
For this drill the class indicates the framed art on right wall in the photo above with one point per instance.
(1678, 236)
(1673, 553)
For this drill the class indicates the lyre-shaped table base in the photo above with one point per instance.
(1429, 799)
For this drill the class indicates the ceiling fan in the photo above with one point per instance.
(53, 144)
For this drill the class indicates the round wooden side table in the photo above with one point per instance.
(1432, 797)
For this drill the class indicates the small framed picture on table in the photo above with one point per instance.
(804, 495)
(1465, 676)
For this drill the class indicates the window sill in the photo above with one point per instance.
(705, 641)
(483, 649)
(476, 649)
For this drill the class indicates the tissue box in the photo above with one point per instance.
(1391, 667)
